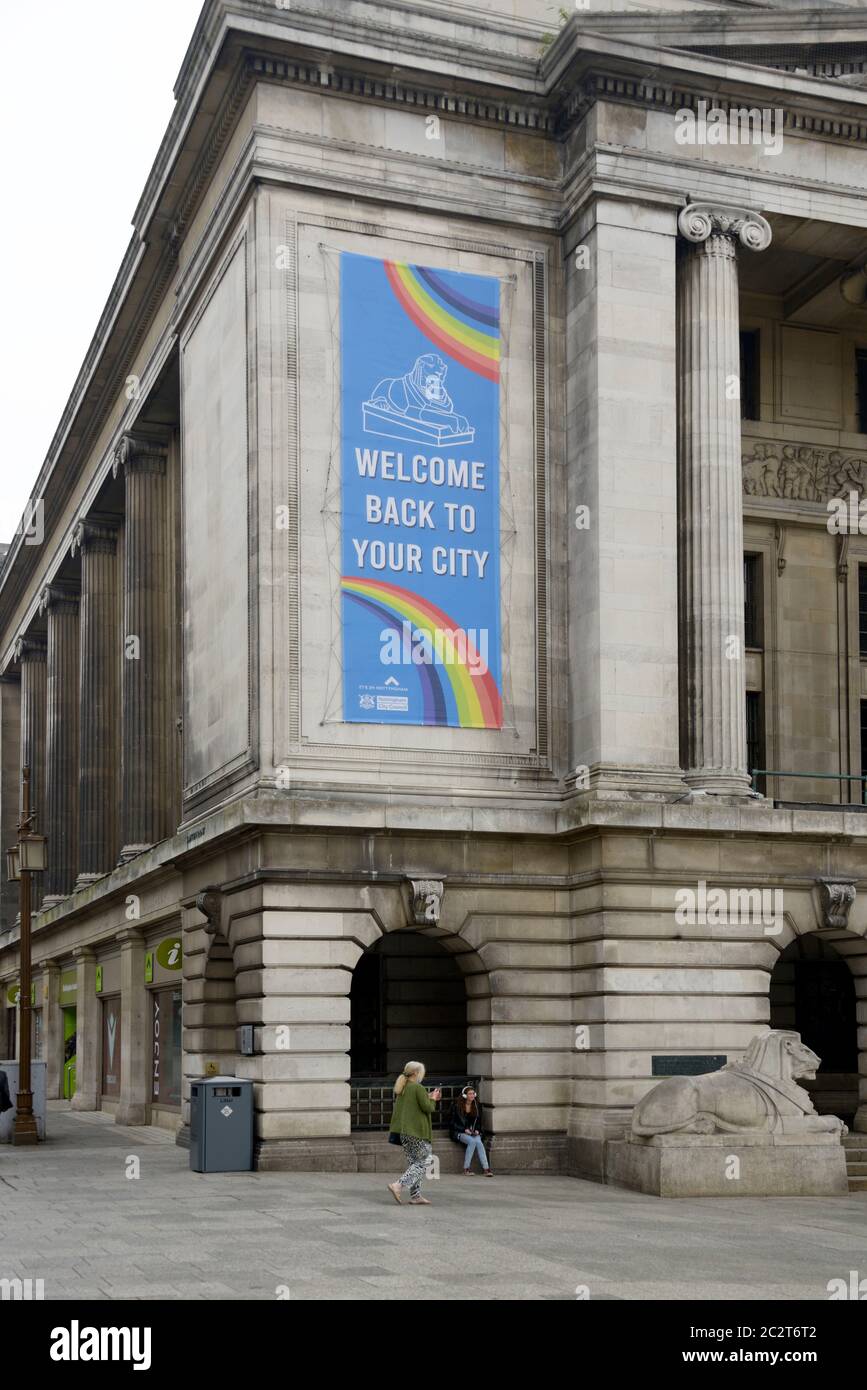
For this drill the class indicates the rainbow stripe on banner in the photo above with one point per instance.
(465, 329)
(451, 687)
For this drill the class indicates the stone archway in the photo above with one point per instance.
(815, 988)
(408, 999)
(419, 993)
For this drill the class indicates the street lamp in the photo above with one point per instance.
(27, 857)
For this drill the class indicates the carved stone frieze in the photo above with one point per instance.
(801, 472)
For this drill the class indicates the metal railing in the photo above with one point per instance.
(757, 772)
(371, 1099)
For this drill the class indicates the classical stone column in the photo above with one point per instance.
(31, 654)
(134, 1068)
(60, 606)
(712, 675)
(88, 1032)
(10, 787)
(147, 695)
(99, 705)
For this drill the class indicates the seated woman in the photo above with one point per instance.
(466, 1128)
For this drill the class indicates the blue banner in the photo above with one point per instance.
(420, 527)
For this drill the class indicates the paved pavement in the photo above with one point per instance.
(71, 1216)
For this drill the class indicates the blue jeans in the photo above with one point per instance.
(474, 1146)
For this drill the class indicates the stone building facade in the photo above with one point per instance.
(599, 891)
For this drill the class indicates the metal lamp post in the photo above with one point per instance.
(26, 857)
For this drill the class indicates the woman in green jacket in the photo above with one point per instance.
(410, 1119)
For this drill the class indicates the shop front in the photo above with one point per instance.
(68, 1005)
(108, 988)
(163, 967)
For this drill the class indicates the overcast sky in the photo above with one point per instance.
(85, 98)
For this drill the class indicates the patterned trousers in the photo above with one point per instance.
(417, 1153)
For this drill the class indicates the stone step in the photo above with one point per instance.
(857, 1184)
(857, 1170)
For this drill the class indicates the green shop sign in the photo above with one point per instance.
(170, 953)
(99, 979)
(13, 995)
(68, 986)
(149, 967)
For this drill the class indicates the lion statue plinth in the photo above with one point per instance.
(757, 1096)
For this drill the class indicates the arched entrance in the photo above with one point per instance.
(813, 991)
(409, 1001)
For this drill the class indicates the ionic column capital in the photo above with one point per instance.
(711, 222)
(31, 649)
(140, 453)
(95, 533)
(61, 600)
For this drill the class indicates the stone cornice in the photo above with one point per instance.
(659, 93)
(754, 25)
(517, 110)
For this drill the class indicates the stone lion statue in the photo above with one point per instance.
(759, 1095)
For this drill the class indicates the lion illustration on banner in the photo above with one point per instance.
(417, 407)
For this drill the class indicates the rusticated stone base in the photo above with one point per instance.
(699, 1165)
(528, 1153)
(371, 1153)
(584, 1157)
(306, 1155)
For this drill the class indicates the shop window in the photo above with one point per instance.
(111, 1046)
(166, 1047)
(861, 388)
(862, 610)
(755, 737)
(750, 341)
(11, 1036)
(753, 601)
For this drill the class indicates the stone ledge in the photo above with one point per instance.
(742, 1141)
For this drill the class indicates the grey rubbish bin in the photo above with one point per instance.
(221, 1125)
